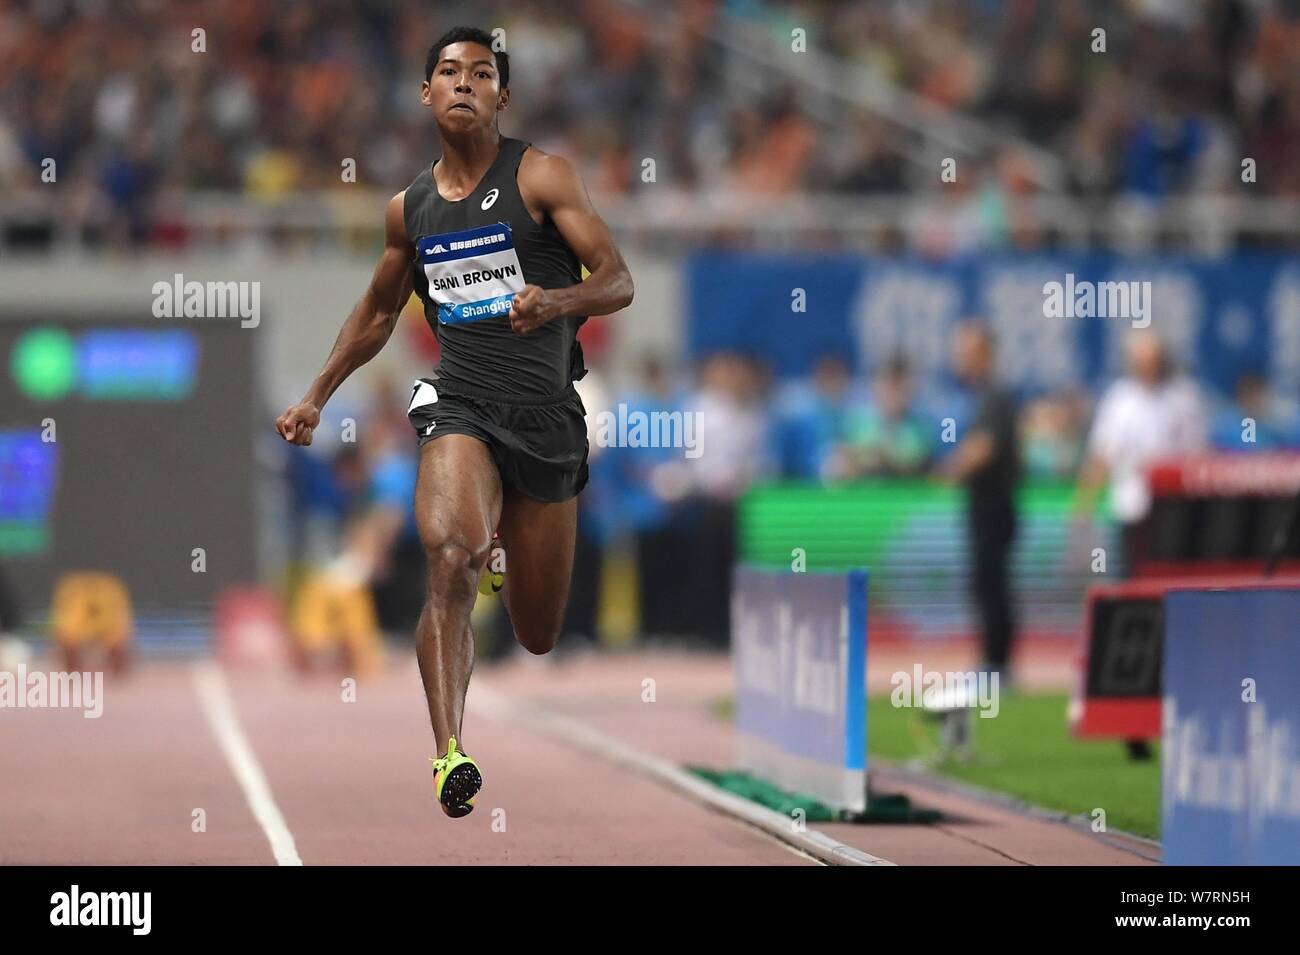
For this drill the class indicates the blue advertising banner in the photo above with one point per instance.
(1220, 316)
(1231, 723)
(799, 643)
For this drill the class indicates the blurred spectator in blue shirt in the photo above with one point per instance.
(888, 437)
(1051, 435)
(644, 496)
(1164, 147)
(646, 488)
(1254, 420)
(812, 421)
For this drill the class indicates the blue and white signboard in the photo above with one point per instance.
(799, 645)
(1219, 316)
(1231, 725)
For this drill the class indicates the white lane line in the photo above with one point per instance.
(817, 844)
(219, 709)
(787, 846)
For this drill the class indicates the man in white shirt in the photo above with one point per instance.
(731, 454)
(1149, 414)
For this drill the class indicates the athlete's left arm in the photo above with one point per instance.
(550, 184)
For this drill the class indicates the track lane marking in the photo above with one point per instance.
(219, 709)
(536, 718)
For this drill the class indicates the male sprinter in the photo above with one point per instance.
(491, 237)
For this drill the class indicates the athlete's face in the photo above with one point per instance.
(464, 91)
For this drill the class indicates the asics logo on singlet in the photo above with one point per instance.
(489, 199)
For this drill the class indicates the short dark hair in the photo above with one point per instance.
(898, 366)
(467, 35)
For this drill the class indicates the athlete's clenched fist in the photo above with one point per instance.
(297, 424)
(531, 308)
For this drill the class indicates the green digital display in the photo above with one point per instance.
(44, 363)
(125, 445)
(911, 537)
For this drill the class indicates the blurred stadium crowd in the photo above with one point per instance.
(676, 513)
(137, 122)
(142, 127)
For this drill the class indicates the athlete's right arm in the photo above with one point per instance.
(366, 330)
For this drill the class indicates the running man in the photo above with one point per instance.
(492, 238)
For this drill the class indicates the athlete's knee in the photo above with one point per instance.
(538, 640)
(453, 566)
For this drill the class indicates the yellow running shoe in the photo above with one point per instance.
(456, 780)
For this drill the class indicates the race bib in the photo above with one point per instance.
(473, 274)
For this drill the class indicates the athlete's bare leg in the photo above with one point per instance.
(457, 506)
(539, 539)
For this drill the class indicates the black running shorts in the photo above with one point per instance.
(539, 445)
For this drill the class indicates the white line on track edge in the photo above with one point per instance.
(219, 708)
(820, 846)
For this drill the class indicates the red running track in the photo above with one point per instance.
(351, 781)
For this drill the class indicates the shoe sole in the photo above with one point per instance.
(461, 786)
(456, 812)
